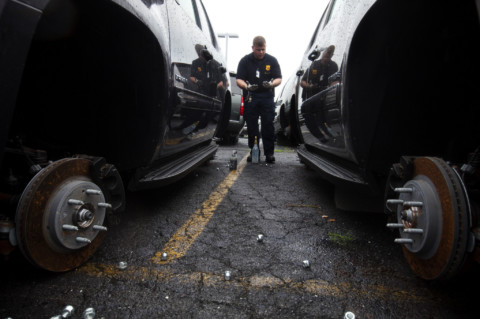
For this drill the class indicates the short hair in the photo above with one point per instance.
(199, 48)
(259, 41)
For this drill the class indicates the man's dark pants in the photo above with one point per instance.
(265, 108)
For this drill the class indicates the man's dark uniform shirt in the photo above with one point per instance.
(259, 102)
(268, 69)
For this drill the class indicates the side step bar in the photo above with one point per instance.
(329, 169)
(174, 170)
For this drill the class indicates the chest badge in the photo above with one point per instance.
(267, 67)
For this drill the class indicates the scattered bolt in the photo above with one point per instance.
(260, 238)
(349, 315)
(218, 169)
(122, 265)
(228, 275)
(164, 256)
(324, 217)
(67, 311)
(306, 264)
(89, 313)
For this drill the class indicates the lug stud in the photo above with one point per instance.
(75, 202)
(413, 230)
(403, 190)
(69, 227)
(105, 205)
(83, 240)
(413, 203)
(403, 241)
(395, 225)
(99, 227)
(93, 192)
(394, 201)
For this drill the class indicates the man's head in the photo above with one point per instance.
(328, 53)
(259, 47)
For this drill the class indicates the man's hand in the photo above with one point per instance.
(268, 85)
(251, 87)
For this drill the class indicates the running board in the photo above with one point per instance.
(329, 170)
(174, 170)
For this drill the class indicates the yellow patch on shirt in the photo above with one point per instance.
(314, 71)
(267, 68)
(199, 69)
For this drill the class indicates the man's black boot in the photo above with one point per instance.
(270, 158)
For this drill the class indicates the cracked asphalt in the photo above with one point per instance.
(208, 223)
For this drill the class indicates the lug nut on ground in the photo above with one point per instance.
(67, 311)
(122, 265)
(228, 275)
(306, 264)
(89, 313)
(260, 238)
(164, 256)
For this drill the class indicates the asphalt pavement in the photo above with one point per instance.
(261, 241)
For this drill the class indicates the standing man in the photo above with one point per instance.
(258, 74)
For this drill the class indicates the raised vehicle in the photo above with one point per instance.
(386, 109)
(99, 96)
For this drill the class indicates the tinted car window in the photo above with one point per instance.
(187, 5)
(205, 23)
(234, 86)
(333, 10)
(317, 29)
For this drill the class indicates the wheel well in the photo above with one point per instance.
(93, 83)
(411, 79)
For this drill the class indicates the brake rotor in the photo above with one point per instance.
(59, 219)
(435, 220)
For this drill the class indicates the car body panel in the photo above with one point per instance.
(109, 78)
(388, 98)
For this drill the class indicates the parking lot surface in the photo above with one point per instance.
(177, 243)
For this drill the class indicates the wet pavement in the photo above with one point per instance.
(207, 224)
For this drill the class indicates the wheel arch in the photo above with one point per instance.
(95, 82)
(396, 98)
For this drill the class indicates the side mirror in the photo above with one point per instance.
(300, 72)
(314, 55)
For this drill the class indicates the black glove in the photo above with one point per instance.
(268, 85)
(251, 87)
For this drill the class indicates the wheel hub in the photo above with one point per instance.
(419, 216)
(432, 215)
(71, 214)
(60, 215)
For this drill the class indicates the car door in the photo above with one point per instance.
(198, 82)
(319, 88)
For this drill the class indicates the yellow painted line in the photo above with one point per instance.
(316, 287)
(183, 239)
